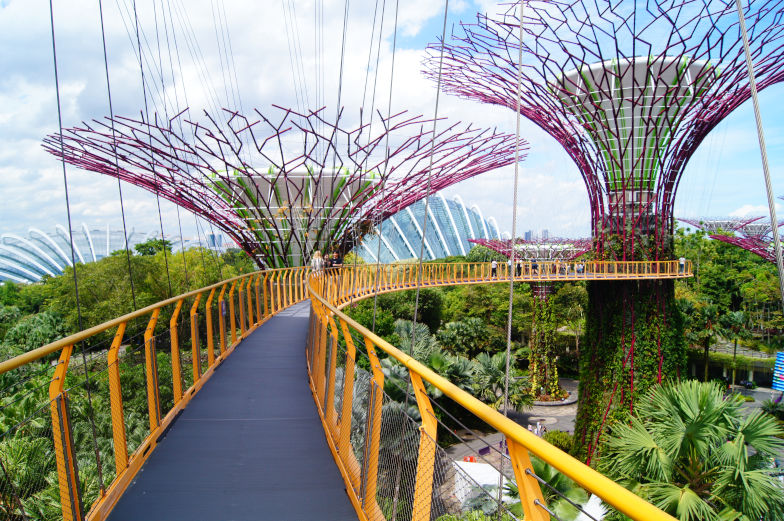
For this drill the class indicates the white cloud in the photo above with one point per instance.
(723, 176)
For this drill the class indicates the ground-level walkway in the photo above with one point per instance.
(249, 446)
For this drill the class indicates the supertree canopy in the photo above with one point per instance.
(753, 234)
(284, 186)
(629, 89)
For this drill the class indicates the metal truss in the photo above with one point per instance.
(629, 89)
(753, 234)
(283, 186)
(551, 249)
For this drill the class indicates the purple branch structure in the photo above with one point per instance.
(752, 234)
(283, 186)
(630, 90)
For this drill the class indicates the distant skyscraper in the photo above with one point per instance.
(545, 234)
(529, 235)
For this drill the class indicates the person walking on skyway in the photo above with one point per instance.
(681, 264)
(494, 269)
(317, 262)
(519, 267)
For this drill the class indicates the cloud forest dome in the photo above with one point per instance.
(29, 258)
(629, 89)
(286, 184)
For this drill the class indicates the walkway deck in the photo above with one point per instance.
(249, 446)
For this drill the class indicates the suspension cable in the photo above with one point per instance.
(514, 231)
(429, 175)
(152, 162)
(386, 167)
(90, 411)
(116, 159)
(166, 114)
(763, 150)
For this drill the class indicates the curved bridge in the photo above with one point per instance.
(208, 416)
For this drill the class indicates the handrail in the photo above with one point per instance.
(38, 353)
(160, 414)
(275, 290)
(329, 293)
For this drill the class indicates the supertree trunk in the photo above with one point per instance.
(634, 339)
(542, 366)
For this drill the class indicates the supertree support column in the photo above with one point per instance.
(752, 234)
(286, 185)
(542, 366)
(630, 90)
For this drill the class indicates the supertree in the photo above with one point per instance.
(753, 234)
(630, 90)
(542, 366)
(283, 186)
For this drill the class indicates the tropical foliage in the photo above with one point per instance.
(689, 450)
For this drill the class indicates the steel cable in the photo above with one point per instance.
(73, 255)
(386, 167)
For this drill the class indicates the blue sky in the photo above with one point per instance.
(724, 177)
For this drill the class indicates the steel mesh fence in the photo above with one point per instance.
(28, 474)
(134, 393)
(397, 461)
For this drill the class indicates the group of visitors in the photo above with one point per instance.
(319, 263)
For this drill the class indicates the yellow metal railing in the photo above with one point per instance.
(221, 315)
(358, 446)
(244, 302)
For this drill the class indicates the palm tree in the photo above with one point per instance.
(704, 326)
(489, 378)
(694, 454)
(734, 323)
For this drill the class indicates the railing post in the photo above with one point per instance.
(329, 403)
(232, 320)
(175, 353)
(278, 290)
(266, 302)
(423, 491)
(151, 369)
(250, 303)
(116, 403)
(221, 320)
(195, 347)
(259, 316)
(321, 360)
(373, 432)
(65, 456)
(346, 406)
(288, 295)
(210, 339)
(241, 306)
(530, 492)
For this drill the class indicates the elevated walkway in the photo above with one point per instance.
(249, 445)
(274, 407)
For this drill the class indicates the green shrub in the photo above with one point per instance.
(561, 439)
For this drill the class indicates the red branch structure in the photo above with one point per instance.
(284, 186)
